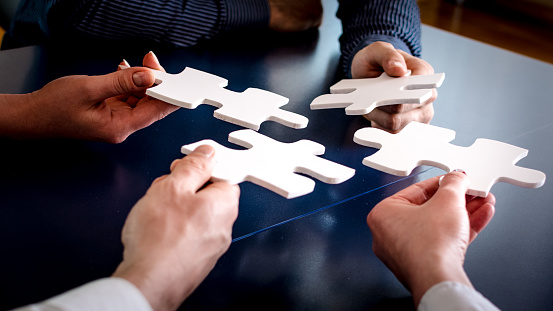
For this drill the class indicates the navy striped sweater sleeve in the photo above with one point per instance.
(368, 21)
(188, 22)
(176, 22)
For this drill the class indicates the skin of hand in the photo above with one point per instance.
(175, 234)
(295, 16)
(380, 57)
(422, 233)
(100, 108)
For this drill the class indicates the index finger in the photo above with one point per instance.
(420, 192)
(418, 66)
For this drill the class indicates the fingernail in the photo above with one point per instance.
(205, 150)
(154, 55)
(126, 63)
(123, 67)
(397, 64)
(141, 78)
(459, 170)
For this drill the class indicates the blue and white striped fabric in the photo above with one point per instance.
(189, 22)
(368, 21)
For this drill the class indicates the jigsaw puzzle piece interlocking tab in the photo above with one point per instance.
(486, 162)
(361, 96)
(250, 108)
(273, 164)
(496, 163)
(188, 89)
(256, 106)
(400, 154)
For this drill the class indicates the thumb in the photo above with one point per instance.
(393, 62)
(121, 82)
(452, 190)
(195, 169)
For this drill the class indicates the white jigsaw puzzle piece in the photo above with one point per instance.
(486, 162)
(273, 164)
(192, 87)
(361, 96)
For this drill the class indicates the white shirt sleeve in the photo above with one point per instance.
(108, 294)
(447, 296)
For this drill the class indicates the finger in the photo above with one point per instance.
(395, 122)
(417, 65)
(475, 202)
(452, 190)
(151, 61)
(121, 82)
(148, 111)
(420, 192)
(225, 193)
(402, 108)
(389, 59)
(399, 108)
(387, 121)
(392, 62)
(123, 65)
(480, 218)
(375, 58)
(195, 169)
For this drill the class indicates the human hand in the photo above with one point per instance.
(175, 234)
(295, 16)
(380, 57)
(101, 108)
(422, 232)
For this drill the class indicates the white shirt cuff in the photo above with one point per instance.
(446, 296)
(107, 294)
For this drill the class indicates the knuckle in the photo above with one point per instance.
(119, 83)
(428, 114)
(373, 217)
(449, 191)
(174, 164)
(114, 136)
(172, 188)
(394, 123)
(395, 109)
(159, 179)
(433, 97)
(191, 164)
(370, 219)
(117, 138)
(428, 67)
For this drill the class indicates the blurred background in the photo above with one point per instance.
(521, 26)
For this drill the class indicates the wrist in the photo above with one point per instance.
(435, 270)
(14, 120)
(161, 284)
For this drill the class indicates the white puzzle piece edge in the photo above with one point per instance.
(361, 96)
(486, 162)
(250, 108)
(273, 164)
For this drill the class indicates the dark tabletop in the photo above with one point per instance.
(63, 203)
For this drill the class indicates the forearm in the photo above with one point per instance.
(175, 22)
(365, 22)
(14, 122)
